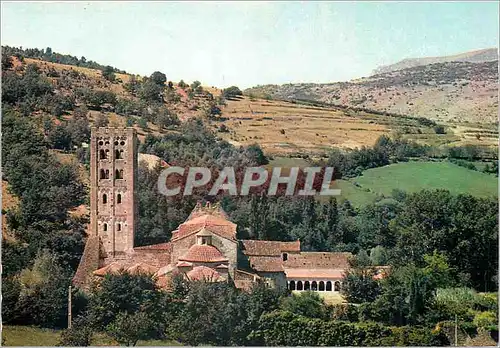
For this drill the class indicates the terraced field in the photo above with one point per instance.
(284, 128)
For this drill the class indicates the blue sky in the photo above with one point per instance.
(251, 43)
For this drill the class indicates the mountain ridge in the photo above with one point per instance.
(475, 56)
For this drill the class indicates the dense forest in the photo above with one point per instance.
(442, 248)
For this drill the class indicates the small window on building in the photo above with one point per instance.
(119, 227)
(119, 174)
(105, 227)
(119, 198)
(104, 198)
(104, 174)
(119, 154)
(285, 256)
(102, 154)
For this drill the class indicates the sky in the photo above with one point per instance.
(251, 43)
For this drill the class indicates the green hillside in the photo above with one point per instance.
(415, 176)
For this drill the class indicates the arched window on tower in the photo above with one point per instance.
(119, 198)
(119, 227)
(105, 227)
(102, 154)
(104, 174)
(119, 174)
(285, 256)
(104, 198)
(119, 154)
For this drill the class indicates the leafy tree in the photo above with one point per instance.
(44, 292)
(182, 84)
(158, 78)
(108, 73)
(358, 285)
(60, 138)
(79, 335)
(6, 62)
(378, 256)
(129, 328)
(196, 87)
(231, 92)
(125, 293)
(307, 304)
(150, 92)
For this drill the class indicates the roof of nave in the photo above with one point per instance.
(208, 218)
(203, 253)
(118, 267)
(161, 246)
(266, 263)
(269, 248)
(211, 209)
(312, 260)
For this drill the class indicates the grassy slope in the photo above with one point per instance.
(33, 336)
(415, 176)
(410, 177)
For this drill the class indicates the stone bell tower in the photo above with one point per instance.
(113, 175)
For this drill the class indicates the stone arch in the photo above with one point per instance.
(291, 285)
(314, 285)
(336, 286)
(328, 286)
(321, 286)
(299, 285)
(307, 285)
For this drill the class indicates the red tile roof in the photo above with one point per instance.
(142, 268)
(160, 246)
(322, 273)
(269, 248)
(203, 273)
(118, 267)
(266, 263)
(311, 260)
(210, 209)
(113, 268)
(203, 253)
(214, 224)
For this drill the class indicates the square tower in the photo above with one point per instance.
(113, 175)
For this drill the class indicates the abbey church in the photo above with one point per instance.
(204, 247)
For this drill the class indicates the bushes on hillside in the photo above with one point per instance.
(286, 329)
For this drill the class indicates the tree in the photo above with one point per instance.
(196, 87)
(182, 84)
(108, 72)
(358, 285)
(79, 335)
(150, 91)
(307, 304)
(129, 328)
(158, 78)
(231, 92)
(6, 62)
(129, 294)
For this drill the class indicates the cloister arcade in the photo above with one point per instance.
(314, 285)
